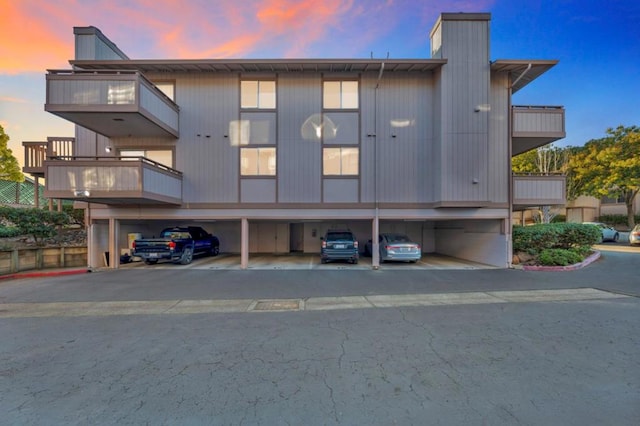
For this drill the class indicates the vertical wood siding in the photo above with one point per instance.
(403, 139)
(465, 88)
(498, 158)
(299, 159)
(204, 153)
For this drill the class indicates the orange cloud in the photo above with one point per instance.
(29, 42)
(12, 100)
(37, 34)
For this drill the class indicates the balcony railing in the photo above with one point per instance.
(112, 180)
(112, 103)
(35, 153)
(534, 126)
(539, 190)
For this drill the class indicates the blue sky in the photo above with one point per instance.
(597, 43)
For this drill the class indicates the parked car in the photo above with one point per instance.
(608, 233)
(634, 236)
(339, 245)
(178, 244)
(395, 246)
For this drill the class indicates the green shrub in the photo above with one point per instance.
(559, 257)
(616, 219)
(559, 218)
(38, 223)
(536, 238)
(9, 231)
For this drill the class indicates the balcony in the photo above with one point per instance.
(535, 126)
(35, 153)
(112, 103)
(539, 190)
(112, 181)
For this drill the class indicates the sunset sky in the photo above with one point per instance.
(596, 42)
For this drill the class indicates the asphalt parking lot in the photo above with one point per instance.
(171, 344)
(300, 261)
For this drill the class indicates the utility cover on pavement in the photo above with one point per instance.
(277, 305)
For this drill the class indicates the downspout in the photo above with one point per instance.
(519, 78)
(375, 244)
(509, 226)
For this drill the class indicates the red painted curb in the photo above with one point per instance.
(40, 274)
(595, 256)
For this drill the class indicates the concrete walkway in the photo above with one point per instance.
(168, 307)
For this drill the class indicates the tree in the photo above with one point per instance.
(610, 167)
(9, 167)
(548, 159)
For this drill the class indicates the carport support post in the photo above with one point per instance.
(375, 244)
(244, 243)
(114, 234)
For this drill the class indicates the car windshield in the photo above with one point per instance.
(175, 235)
(339, 236)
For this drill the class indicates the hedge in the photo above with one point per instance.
(535, 239)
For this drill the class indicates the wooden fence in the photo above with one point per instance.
(26, 259)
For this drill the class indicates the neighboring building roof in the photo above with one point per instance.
(523, 71)
(263, 65)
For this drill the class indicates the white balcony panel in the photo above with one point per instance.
(535, 126)
(113, 104)
(539, 190)
(110, 181)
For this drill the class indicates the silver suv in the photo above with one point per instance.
(339, 245)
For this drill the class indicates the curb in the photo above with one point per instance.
(589, 260)
(40, 274)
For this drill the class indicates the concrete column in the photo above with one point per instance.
(114, 251)
(91, 251)
(375, 245)
(244, 243)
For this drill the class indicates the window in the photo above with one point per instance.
(258, 161)
(167, 87)
(258, 94)
(340, 161)
(340, 95)
(159, 156)
(609, 200)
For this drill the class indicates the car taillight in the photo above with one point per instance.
(324, 244)
(133, 244)
(172, 245)
(355, 244)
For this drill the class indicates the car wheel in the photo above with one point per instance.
(187, 256)
(215, 250)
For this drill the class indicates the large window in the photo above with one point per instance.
(340, 95)
(260, 94)
(340, 161)
(258, 161)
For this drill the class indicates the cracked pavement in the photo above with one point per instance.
(415, 355)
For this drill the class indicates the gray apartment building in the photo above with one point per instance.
(268, 154)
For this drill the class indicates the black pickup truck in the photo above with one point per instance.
(178, 244)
